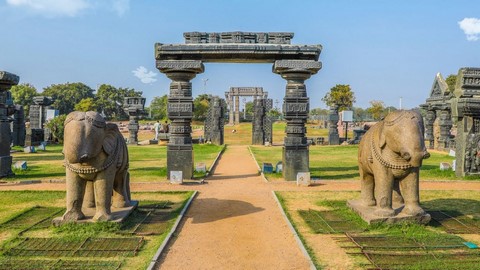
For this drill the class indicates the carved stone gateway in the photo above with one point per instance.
(7, 80)
(233, 100)
(181, 63)
(390, 155)
(215, 121)
(466, 114)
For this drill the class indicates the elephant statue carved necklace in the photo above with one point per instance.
(85, 169)
(392, 161)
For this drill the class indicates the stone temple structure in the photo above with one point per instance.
(7, 80)
(182, 62)
(233, 100)
(134, 107)
(36, 133)
(215, 121)
(438, 106)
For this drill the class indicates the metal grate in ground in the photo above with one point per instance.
(150, 219)
(90, 247)
(326, 222)
(25, 264)
(455, 223)
(36, 217)
(397, 252)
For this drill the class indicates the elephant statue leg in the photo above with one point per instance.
(89, 198)
(103, 198)
(368, 187)
(410, 191)
(121, 190)
(75, 193)
(383, 193)
(397, 194)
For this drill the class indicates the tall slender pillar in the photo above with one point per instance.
(295, 110)
(237, 110)
(7, 80)
(429, 120)
(333, 136)
(230, 111)
(445, 123)
(258, 135)
(180, 112)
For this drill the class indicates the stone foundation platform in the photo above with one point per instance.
(118, 214)
(367, 213)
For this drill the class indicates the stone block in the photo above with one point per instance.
(303, 179)
(180, 158)
(279, 167)
(267, 168)
(367, 213)
(201, 167)
(294, 161)
(42, 146)
(22, 165)
(445, 166)
(176, 177)
(6, 166)
(29, 149)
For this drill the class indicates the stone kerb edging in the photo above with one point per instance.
(258, 166)
(294, 232)
(170, 234)
(212, 167)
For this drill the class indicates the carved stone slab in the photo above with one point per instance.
(238, 37)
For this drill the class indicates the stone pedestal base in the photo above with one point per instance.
(294, 161)
(333, 139)
(367, 213)
(257, 138)
(6, 166)
(180, 158)
(118, 214)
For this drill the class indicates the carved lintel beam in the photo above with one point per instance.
(296, 66)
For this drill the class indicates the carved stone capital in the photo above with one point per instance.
(7, 80)
(285, 67)
(184, 66)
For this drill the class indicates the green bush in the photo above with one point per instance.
(56, 126)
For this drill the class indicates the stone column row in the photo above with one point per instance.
(295, 110)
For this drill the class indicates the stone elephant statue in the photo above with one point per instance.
(96, 161)
(390, 156)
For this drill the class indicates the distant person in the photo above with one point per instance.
(156, 127)
(165, 127)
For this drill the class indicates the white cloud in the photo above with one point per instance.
(69, 8)
(145, 75)
(52, 8)
(471, 28)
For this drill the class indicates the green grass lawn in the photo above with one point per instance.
(24, 216)
(147, 162)
(341, 163)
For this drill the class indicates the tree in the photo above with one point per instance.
(85, 105)
(67, 95)
(56, 126)
(376, 109)
(274, 114)
(359, 114)
(340, 94)
(109, 100)
(158, 107)
(249, 110)
(451, 80)
(200, 107)
(23, 94)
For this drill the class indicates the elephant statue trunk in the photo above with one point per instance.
(96, 161)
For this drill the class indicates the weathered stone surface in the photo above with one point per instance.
(390, 156)
(368, 214)
(238, 37)
(96, 161)
(215, 121)
(135, 108)
(333, 117)
(7, 80)
(118, 214)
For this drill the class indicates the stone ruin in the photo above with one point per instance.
(7, 80)
(333, 117)
(215, 121)
(262, 123)
(135, 108)
(233, 100)
(36, 133)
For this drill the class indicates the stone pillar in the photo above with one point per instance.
(18, 126)
(7, 80)
(258, 135)
(237, 110)
(215, 121)
(295, 110)
(333, 136)
(180, 112)
(267, 122)
(445, 124)
(429, 121)
(230, 111)
(134, 107)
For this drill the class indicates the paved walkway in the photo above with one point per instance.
(234, 223)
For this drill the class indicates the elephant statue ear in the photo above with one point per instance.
(110, 141)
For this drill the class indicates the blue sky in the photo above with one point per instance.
(384, 49)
